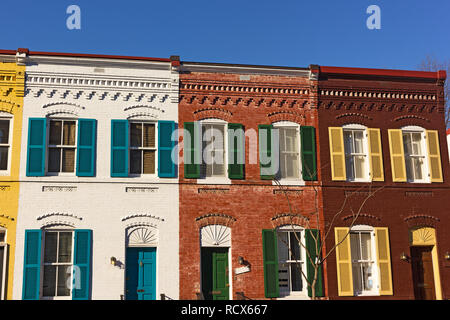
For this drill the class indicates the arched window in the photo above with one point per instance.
(356, 152)
(5, 141)
(289, 144)
(414, 146)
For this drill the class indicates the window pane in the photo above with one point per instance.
(3, 158)
(69, 133)
(407, 143)
(4, 131)
(366, 253)
(355, 248)
(2, 252)
(63, 280)
(295, 246)
(136, 134)
(367, 276)
(357, 278)
(65, 247)
(296, 277)
(417, 163)
(55, 132)
(49, 282)
(2, 236)
(350, 168)
(54, 160)
(135, 161)
(416, 143)
(348, 141)
(149, 135)
(149, 161)
(68, 160)
(359, 138)
(283, 251)
(50, 248)
(359, 167)
(291, 140)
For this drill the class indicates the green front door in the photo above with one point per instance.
(215, 284)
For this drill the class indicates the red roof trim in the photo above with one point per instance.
(384, 72)
(8, 52)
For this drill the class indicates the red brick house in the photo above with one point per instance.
(384, 131)
(233, 217)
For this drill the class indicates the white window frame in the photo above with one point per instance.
(43, 264)
(5, 266)
(216, 179)
(289, 293)
(375, 272)
(155, 148)
(7, 116)
(423, 144)
(357, 127)
(61, 146)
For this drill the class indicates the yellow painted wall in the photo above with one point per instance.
(12, 85)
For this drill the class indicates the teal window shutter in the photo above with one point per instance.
(192, 150)
(32, 265)
(270, 257)
(166, 166)
(119, 148)
(37, 128)
(86, 147)
(82, 265)
(308, 152)
(265, 151)
(236, 151)
(313, 246)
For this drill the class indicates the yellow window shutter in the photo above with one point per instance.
(375, 155)
(344, 262)
(337, 153)
(434, 156)
(397, 155)
(384, 261)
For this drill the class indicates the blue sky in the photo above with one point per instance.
(284, 32)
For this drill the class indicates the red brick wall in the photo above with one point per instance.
(398, 206)
(251, 202)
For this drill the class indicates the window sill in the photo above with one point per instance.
(294, 296)
(289, 182)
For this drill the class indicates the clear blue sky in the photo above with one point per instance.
(277, 32)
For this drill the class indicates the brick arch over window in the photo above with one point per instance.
(213, 219)
(217, 113)
(287, 116)
(363, 219)
(353, 117)
(421, 220)
(410, 120)
(8, 107)
(287, 219)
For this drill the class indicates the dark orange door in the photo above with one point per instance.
(423, 276)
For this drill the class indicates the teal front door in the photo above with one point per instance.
(140, 274)
(215, 284)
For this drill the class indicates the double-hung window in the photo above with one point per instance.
(142, 148)
(57, 264)
(356, 154)
(214, 157)
(62, 146)
(291, 261)
(289, 152)
(415, 158)
(5, 143)
(363, 262)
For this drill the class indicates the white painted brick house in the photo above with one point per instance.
(98, 194)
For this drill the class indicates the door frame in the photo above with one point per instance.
(5, 268)
(426, 236)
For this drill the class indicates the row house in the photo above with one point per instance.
(98, 201)
(11, 106)
(240, 213)
(385, 183)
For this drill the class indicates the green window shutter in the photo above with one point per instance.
(311, 247)
(82, 265)
(37, 128)
(166, 165)
(119, 148)
(86, 147)
(236, 151)
(265, 151)
(32, 265)
(270, 257)
(308, 146)
(192, 150)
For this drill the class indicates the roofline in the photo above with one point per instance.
(220, 64)
(441, 74)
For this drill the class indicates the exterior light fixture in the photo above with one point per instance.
(447, 256)
(113, 261)
(240, 260)
(403, 257)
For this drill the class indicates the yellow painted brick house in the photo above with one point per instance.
(12, 85)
